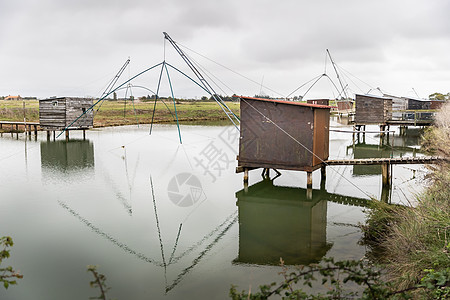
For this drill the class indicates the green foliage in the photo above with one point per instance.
(438, 282)
(7, 274)
(98, 282)
(439, 96)
(336, 275)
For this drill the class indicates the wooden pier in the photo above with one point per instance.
(384, 162)
(26, 125)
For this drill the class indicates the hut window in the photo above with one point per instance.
(55, 103)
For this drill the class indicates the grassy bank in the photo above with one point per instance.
(414, 243)
(114, 113)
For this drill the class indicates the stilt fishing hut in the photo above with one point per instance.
(281, 134)
(65, 112)
(318, 101)
(372, 109)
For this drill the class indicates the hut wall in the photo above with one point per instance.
(52, 113)
(436, 104)
(344, 105)
(415, 104)
(398, 105)
(372, 110)
(262, 144)
(74, 108)
(321, 135)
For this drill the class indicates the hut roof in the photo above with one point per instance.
(374, 96)
(285, 102)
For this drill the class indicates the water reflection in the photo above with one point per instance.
(67, 156)
(391, 146)
(277, 221)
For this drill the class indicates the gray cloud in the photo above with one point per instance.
(68, 43)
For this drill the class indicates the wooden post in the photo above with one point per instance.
(48, 135)
(308, 180)
(67, 135)
(54, 135)
(245, 175)
(385, 174)
(35, 130)
(323, 171)
(24, 119)
(84, 134)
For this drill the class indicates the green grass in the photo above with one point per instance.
(114, 113)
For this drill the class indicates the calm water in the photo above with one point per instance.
(170, 221)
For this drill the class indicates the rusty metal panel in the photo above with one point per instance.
(321, 135)
(318, 101)
(286, 145)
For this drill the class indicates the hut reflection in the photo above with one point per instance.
(67, 156)
(277, 221)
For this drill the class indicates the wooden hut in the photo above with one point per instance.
(418, 104)
(344, 106)
(60, 113)
(318, 101)
(282, 135)
(372, 109)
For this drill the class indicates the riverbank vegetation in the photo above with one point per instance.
(120, 112)
(415, 242)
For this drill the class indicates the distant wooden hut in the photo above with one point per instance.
(372, 109)
(282, 135)
(60, 113)
(418, 104)
(344, 106)
(318, 101)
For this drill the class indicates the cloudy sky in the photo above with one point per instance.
(75, 47)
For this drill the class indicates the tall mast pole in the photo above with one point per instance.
(337, 74)
(233, 118)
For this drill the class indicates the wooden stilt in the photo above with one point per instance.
(245, 175)
(385, 174)
(67, 135)
(308, 180)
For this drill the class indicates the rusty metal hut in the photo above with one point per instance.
(318, 101)
(370, 109)
(64, 112)
(281, 134)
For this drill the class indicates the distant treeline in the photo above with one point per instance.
(439, 96)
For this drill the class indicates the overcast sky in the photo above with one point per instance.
(74, 48)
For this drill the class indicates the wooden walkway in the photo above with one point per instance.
(17, 124)
(384, 162)
(391, 161)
